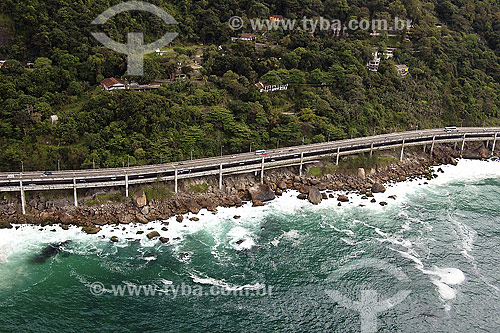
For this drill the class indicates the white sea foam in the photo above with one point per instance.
(224, 284)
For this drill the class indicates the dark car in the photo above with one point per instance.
(47, 173)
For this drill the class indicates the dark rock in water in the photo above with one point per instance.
(139, 232)
(49, 251)
(5, 225)
(184, 256)
(194, 219)
(164, 240)
(383, 203)
(179, 218)
(440, 170)
(393, 197)
(64, 227)
(240, 242)
(378, 188)
(314, 195)
(164, 229)
(91, 230)
(302, 196)
(343, 198)
(373, 200)
(261, 192)
(236, 217)
(114, 239)
(153, 234)
(257, 203)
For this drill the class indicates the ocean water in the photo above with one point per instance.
(288, 266)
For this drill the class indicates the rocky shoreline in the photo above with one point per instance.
(237, 191)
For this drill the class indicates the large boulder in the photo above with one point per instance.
(361, 173)
(314, 195)
(153, 234)
(193, 206)
(261, 192)
(140, 199)
(343, 198)
(378, 188)
(91, 230)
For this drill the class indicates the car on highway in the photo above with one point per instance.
(450, 129)
(10, 176)
(261, 152)
(47, 173)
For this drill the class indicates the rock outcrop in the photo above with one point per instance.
(261, 192)
(140, 199)
(153, 234)
(314, 195)
(378, 188)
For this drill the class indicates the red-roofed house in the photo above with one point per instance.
(114, 84)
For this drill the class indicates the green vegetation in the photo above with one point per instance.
(326, 169)
(199, 188)
(106, 197)
(454, 79)
(350, 164)
(157, 191)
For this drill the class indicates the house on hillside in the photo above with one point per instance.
(1, 63)
(373, 64)
(276, 18)
(271, 87)
(112, 83)
(402, 70)
(160, 52)
(245, 36)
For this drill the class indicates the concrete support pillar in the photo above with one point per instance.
(432, 146)
(262, 172)
(126, 185)
(371, 150)
(220, 177)
(338, 155)
(425, 147)
(487, 143)
(23, 199)
(301, 163)
(74, 192)
(175, 181)
(402, 151)
(463, 146)
(455, 147)
(494, 144)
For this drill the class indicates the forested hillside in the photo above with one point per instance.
(452, 53)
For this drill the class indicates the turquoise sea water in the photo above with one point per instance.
(444, 237)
